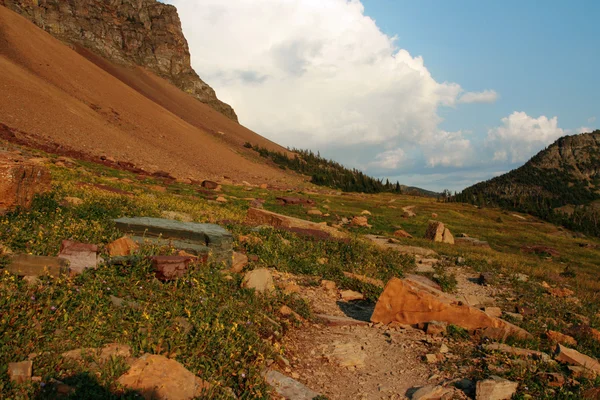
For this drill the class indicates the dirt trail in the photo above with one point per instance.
(367, 361)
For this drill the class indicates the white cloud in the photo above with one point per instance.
(487, 96)
(307, 73)
(390, 159)
(448, 149)
(522, 136)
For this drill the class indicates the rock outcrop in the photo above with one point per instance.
(130, 32)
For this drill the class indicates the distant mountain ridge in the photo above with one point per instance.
(130, 32)
(561, 184)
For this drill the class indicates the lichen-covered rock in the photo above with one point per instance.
(131, 32)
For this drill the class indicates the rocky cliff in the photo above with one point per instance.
(131, 32)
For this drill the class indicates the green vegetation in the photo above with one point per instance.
(550, 180)
(332, 174)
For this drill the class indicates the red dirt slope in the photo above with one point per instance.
(79, 100)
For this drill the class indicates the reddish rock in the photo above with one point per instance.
(20, 372)
(402, 234)
(408, 302)
(328, 285)
(361, 221)
(592, 394)
(558, 337)
(27, 265)
(81, 256)
(210, 185)
(573, 357)
(240, 261)
(20, 181)
(124, 246)
(170, 267)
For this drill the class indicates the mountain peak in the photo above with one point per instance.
(130, 32)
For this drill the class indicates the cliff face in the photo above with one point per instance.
(141, 32)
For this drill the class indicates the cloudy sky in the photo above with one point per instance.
(436, 94)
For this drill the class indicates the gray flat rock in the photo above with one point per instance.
(287, 387)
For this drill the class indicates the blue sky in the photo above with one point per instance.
(542, 57)
(436, 94)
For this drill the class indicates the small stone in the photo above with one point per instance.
(552, 379)
(71, 201)
(314, 211)
(360, 221)
(221, 199)
(287, 387)
(32, 280)
(521, 277)
(122, 247)
(291, 287)
(351, 295)
(431, 358)
(436, 328)
(495, 388)
(402, 234)
(20, 372)
(184, 324)
(573, 357)
(514, 316)
(365, 212)
(240, 261)
(211, 185)
(431, 392)
(260, 280)
(328, 285)
(558, 337)
(444, 349)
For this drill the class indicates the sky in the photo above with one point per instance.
(435, 94)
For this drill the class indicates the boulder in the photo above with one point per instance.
(262, 217)
(170, 267)
(20, 181)
(122, 247)
(160, 378)
(199, 239)
(27, 265)
(260, 280)
(437, 232)
(81, 256)
(287, 387)
(410, 302)
(495, 388)
(573, 357)
(20, 372)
